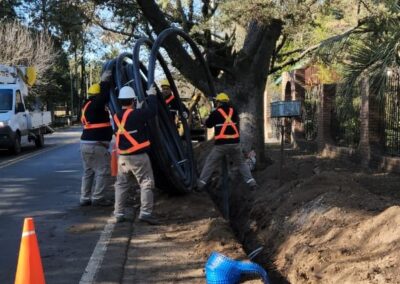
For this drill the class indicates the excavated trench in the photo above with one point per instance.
(327, 222)
(240, 200)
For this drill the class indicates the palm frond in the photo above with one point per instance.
(371, 58)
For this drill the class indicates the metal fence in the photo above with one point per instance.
(309, 115)
(391, 116)
(345, 118)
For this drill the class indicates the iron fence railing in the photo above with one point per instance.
(345, 117)
(309, 114)
(391, 116)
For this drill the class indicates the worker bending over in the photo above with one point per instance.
(132, 145)
(225, 121)
(95, 141)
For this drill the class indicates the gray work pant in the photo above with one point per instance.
(234, 153)
(96, 171)
(140, 167)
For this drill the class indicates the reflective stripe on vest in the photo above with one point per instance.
(87, 124)
(136, 146)
(169, 100)
(228, 122)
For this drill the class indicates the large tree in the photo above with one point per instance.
(243, 41)
(23, 46)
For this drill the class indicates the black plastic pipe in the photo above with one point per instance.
(172, 156)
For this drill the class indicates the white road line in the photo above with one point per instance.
(99, 251)
(28, 156)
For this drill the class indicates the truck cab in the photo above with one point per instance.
(18, 126)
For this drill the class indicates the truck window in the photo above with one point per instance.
(6, 99)
(19, 105)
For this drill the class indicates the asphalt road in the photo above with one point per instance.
(45, 184)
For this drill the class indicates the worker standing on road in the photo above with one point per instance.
(225, 121)
(132, 145)
(95, 141)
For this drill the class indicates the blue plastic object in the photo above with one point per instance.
(285, 109)
(221, 269)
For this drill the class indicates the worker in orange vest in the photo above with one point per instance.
(95, 141)
(171, 101)
(225, 121)
(132, 146)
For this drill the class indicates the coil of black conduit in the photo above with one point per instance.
(172, 156)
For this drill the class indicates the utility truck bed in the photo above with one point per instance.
(39, 119)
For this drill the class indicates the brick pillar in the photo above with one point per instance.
(374, 126)
(299, 94)
(364, 146)
(288, 123)
(371, 138)
(324, 115)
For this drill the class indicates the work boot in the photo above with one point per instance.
(102, 203)
(200, 186)
(149, 219)
(85, 202)
(254, 187)
(120, 218)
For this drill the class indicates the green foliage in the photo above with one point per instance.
(371, 50)
(7, 9)
(346, 118)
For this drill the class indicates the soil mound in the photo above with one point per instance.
(327, 223)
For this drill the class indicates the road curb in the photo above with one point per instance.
(112, 267)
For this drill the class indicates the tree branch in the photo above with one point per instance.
(181, 59)
(101, 25)
(366, 6)
(280, 45)
(191, 11)
(313, 48)
(183, 16)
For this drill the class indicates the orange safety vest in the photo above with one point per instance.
(136, 146)
(87, 124)
(167, 101)
(228, 122)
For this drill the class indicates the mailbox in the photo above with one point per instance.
(285, 108)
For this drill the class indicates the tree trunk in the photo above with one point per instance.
(83, 72)
(252, 69)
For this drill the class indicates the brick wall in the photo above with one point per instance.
(299, 94)
(364, 145)
(324, 115)
(370, 149)
(371, 141)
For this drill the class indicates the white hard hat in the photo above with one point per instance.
(126, 92)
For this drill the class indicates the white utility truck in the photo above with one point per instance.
(18, 126)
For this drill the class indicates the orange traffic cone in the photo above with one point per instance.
(29, 269)
(114, 161)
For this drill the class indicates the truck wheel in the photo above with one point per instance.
(16, 148)
(39, 141)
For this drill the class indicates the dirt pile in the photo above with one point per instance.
(328, 223)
